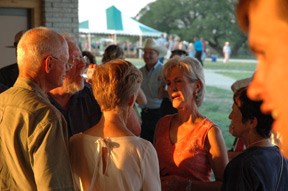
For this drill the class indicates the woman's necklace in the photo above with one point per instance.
(256, 142)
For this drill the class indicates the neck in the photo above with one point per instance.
(113, 123)
(263, 142)
(188, 114)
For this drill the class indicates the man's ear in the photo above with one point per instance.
(253, 122)
(47, 64)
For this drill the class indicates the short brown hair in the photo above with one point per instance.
(115, 82)
(242, 12)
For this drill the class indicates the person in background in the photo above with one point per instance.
(226, 52)
(9, 74)
(162, 41)
(112, 51)
(188, 144)
(74, 98)
(109, 156)
(152, 87)
(90, 56)
(261, 166)
(198, 47)
(33, 133)
(178, 52)
(270, 46)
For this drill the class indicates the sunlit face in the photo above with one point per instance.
(74, 81)
(237, 128)
(180, 89)
(268, 38)
(150, 57)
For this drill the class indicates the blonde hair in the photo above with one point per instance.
(192, 69)
(115, 82)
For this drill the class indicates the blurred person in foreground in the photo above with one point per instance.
(109, 156)
(188, 144)
(270, 45)
(33, 133)
(74, 98)
(261, 166)
(152, 87)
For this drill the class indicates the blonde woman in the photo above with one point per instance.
(109, 156)
(189, 145)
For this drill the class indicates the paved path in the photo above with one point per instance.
(217, 80)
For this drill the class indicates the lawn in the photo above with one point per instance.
(217, 103)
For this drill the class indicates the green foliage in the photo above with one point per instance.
(212, 20)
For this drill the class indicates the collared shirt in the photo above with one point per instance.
(33, 141)
(152, 81)
(83, 111)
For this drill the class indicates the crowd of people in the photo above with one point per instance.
(60, 131)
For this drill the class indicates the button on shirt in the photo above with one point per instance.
(152, 81)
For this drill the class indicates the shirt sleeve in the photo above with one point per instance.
(49, 155)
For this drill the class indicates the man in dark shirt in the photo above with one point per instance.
(74, 99)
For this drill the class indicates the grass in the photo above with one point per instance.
(217, 107)
(217, 102)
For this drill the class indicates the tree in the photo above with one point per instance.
(212, 20)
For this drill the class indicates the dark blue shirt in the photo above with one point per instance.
(257, 168)
(83, 111)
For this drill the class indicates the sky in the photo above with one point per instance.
(128, 7)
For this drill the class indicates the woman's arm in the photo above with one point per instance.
(218, 152)
(141, 98)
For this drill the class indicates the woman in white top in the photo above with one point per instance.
(108, 156)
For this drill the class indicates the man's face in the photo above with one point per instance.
(268, 38)
(150, 57)
(74, 81)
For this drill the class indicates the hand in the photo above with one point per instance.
(90, 71)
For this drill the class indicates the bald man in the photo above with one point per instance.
(33, 133)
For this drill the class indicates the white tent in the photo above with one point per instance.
(112, 21)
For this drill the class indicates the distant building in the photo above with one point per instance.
(16, 15)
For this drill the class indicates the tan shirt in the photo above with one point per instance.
(33, 141)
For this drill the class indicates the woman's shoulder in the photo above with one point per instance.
(209, 124)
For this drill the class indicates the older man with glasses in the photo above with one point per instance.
(74, 99)
(33, 133)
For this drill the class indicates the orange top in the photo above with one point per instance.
(186, 158)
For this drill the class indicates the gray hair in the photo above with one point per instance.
(36, 44)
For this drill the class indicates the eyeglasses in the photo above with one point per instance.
(66, 64)
(82, 59)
